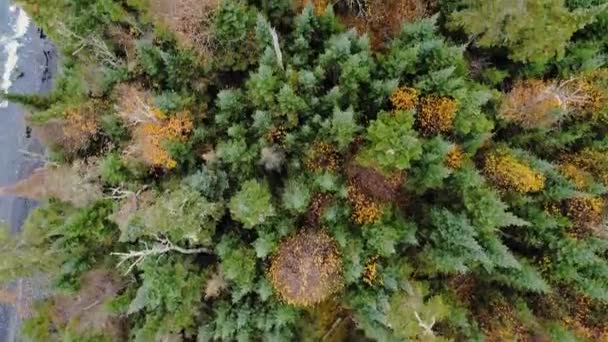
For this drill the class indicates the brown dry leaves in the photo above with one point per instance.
(75, 130)
(307, 268)
(75, 184)
(86, 311)
(150, 127)
(190, 20)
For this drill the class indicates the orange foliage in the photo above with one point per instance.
(81, 125)
(382, 19)
(436, 115)
(530, 105)
(149, 138)
(320, 6)
(577, 315)
(75, 130)
(594, 85)
(151, 128)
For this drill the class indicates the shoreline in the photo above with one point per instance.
(33, 74)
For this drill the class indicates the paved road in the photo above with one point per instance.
(35, 65)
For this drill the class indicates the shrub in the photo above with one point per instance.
(252, 204)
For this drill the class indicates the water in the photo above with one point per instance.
(11, 37)
(26, 64)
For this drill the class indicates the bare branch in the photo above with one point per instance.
(428, 327)
(118, 193)
(37, 157)
(331, 329)
(277, 47)
(96, 45)
(162, 246)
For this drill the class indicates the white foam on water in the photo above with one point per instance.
(11, 48)
(22, 24)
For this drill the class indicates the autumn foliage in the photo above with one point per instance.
(190, 20)
(150, 139)
(509, 173)
(307, 268)
(404, 98)
(327, 170)
(436, 115)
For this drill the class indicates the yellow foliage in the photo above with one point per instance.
(150, 137)
(575, 174)
(436, 115)
(364, 209)
(592, 161)
(405, 98)
(455, 158)
(307, 268)
(510, 174)
(585, 211)
(370, 274)
(322, 157)
(81, 124)
(320, 6)
(591, 84)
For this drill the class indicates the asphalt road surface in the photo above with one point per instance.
(27, 61)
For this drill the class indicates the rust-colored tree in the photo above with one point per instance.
(539, 104)
(307, 268)
(190, 20)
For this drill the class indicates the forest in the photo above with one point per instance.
(327, 170)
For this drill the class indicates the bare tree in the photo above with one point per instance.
(162, 246)
(94, 44)
(427, 327)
